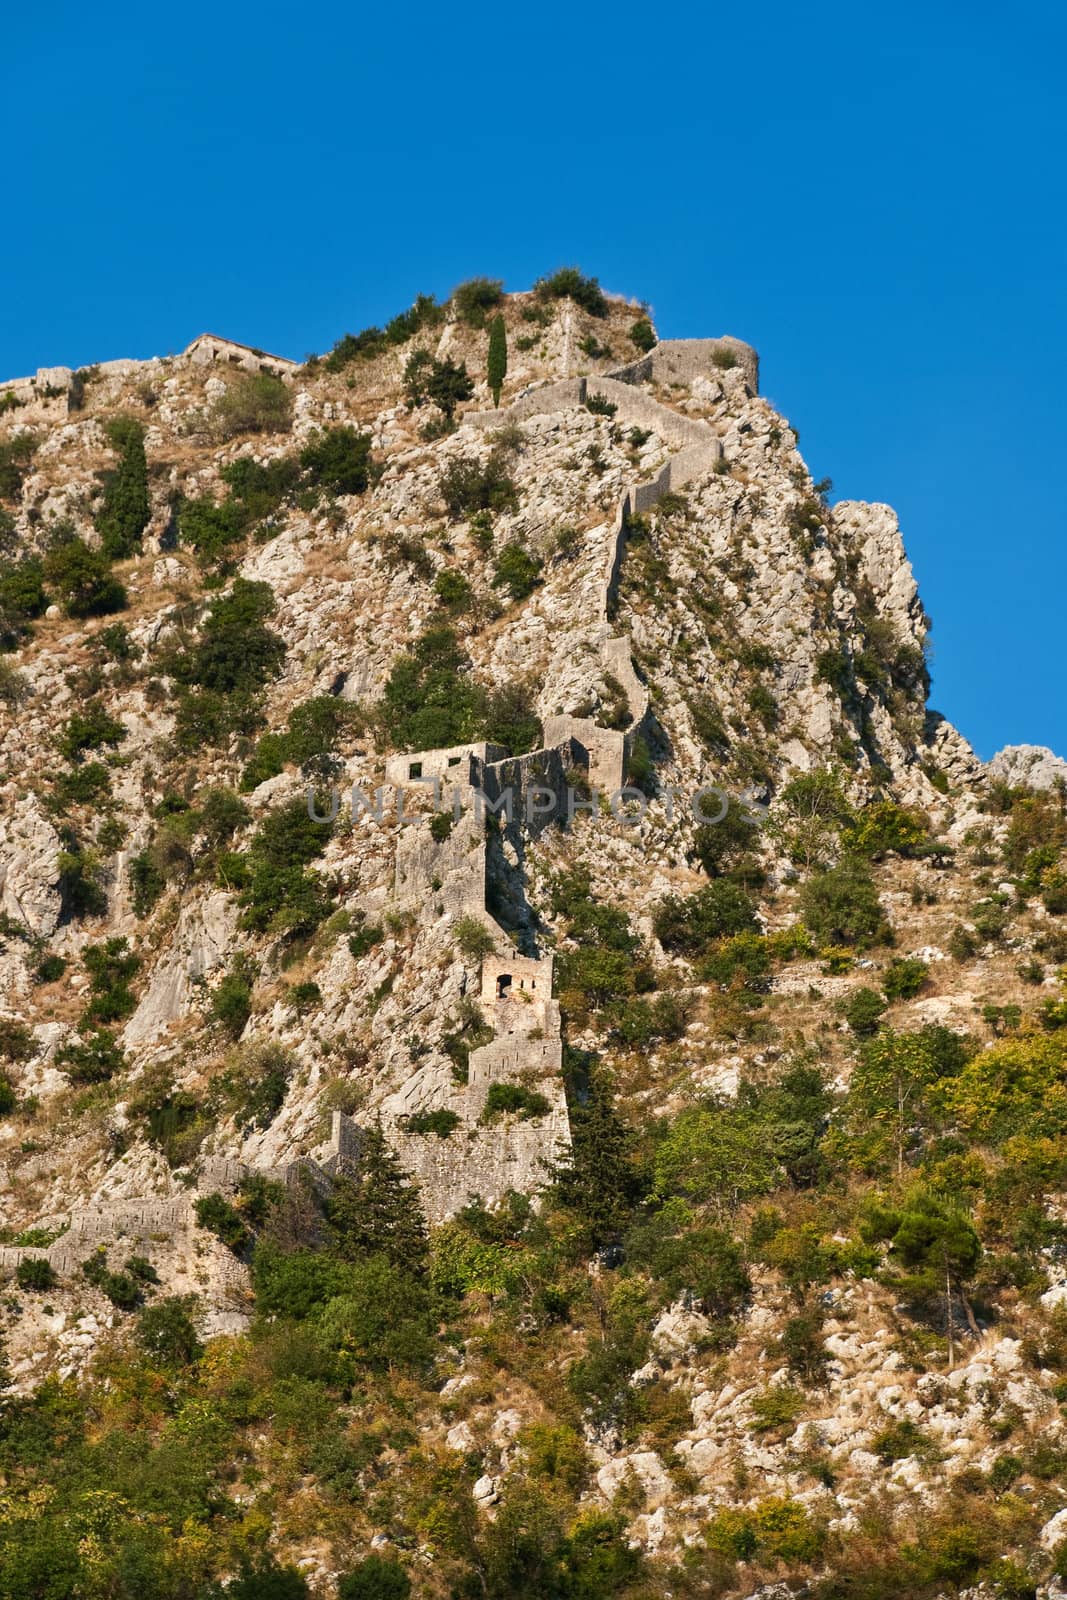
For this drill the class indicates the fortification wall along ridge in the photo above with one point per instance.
(516, 991)
(448, 876)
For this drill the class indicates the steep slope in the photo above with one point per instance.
(698, 975)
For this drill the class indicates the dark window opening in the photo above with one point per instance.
(415, 770)
(503, 985)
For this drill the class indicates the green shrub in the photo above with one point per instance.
(841, 906)
(84, 786)
(904, 978)
(125, 511)
(314, 730)
(510, 719)
(884, 827)
(265, 1579)
(17, 1042)
(218, 1216)
(641, 1023)
(472, 938)
(801, 1344)
(475, 297)
(430, 700)
(724, 358)
(371, 342)
(453, 590)
(467, 487)
(255, 1083)
(902, 1439)
(642, 335)
(833, 668)
(567, 283)
(505, 1098)
(110, 966)
(35, 1273)
(81, 881)
(123, 1289)
(708, 723)
(236, 652)
(255, 402)
(339, 460)
(177, 1123)
(440, 1122)
(88, 730)
(278, 893)
(231, 1002)
(725, 848)
(147, 882)
(95, 1059)
(305, 996)
(49, 969)
(366, 936)
(775, 1408)
(15, 457)
(83, 580)
(22, 598)
(517, 571)
(863, 1011)
(718, 911)
(210, 528)
(375, 1578)
(441, 825)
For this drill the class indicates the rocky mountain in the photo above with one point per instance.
(532, 1060)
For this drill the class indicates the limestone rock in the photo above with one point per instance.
(1032, 765)
(29, 867)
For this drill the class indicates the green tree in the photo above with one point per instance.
(890, 1094)
(124, 514)
(377, 1212)
(448, 384)
(719, 1154)
(809, 818)
(167, 1330)
(600, 1180)
(445, 383)
(934, 1251)
(498, 357)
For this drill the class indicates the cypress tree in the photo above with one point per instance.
(498, 357)
(600, 1180)
(124, 514)
(377, 1212)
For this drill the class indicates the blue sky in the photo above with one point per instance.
(875, 199)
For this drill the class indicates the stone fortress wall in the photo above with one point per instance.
(515, 990)
(53, 392)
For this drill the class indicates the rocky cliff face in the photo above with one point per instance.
(625, 574)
